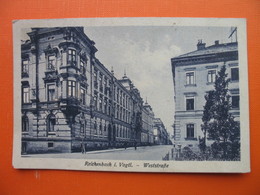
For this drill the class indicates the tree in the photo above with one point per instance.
(218, 124)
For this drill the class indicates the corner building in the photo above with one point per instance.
(70, 101)
(193, 76)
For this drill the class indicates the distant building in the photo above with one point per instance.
(71, 101)
(147, 136)
(161, 136)
(193, 76)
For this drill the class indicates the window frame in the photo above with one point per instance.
(25, 123)
(51, 122)
(212, 79)
(71, 88)
(83, 95)
(188, 132)
(51, 64)
(232, 74)
(186, 105)
(25, 70)
(190, 81)
(72, 57)
(48, 92)
(238, 103)
(26, 96)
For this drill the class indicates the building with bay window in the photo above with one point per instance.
(70, 100)
(194, 75)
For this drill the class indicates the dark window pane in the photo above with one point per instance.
(234, 74)
(190, 131)
(190, 104)
(235, 101)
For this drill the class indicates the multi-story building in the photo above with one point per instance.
(147, 137)
(70, 100)
(161, 136)
(194, 75)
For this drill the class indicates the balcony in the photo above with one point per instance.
(51, 75)
(70, 105)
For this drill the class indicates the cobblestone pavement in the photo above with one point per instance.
(141, 153)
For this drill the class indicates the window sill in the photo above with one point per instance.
(210, 83)
(191, 138)
(190, 85)
(26, 103)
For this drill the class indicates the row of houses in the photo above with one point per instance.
(71, 101)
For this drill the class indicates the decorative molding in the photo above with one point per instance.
(234, 91)
(190, 94)
(190, 69)
(212, 67)
(233, 64)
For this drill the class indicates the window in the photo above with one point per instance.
(211, 76)
(51, 62)
(82, 67)
(51, 93)
(82, 127)
(190, 103)
(95, 99)
(100, 128)
(72, 57)
(95, 79)
(69, 35)
(51, 122)
(109, 109)
(25, 66)
(50, 144)
(100, 103)
(100, 82)
(95, 127)
(190, 78)
(26, 98)
(234, 74)
(235, 101)
(190, 130)
(71, 88)
(25, 124)
(105, 105)
(83, 95)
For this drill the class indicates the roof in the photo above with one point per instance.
(213, 49)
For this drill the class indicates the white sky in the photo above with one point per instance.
(145, 53)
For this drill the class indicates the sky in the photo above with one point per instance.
(144, 53)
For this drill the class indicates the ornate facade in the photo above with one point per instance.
(70, 100)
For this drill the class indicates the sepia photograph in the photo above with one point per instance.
(131, 94)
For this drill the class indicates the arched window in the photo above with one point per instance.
(25, 123)
(51, 122)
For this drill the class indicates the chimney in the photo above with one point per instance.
(201, 45)
(217, 42)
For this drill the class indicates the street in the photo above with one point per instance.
(141, 153)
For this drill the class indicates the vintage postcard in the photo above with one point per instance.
(131, 94)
